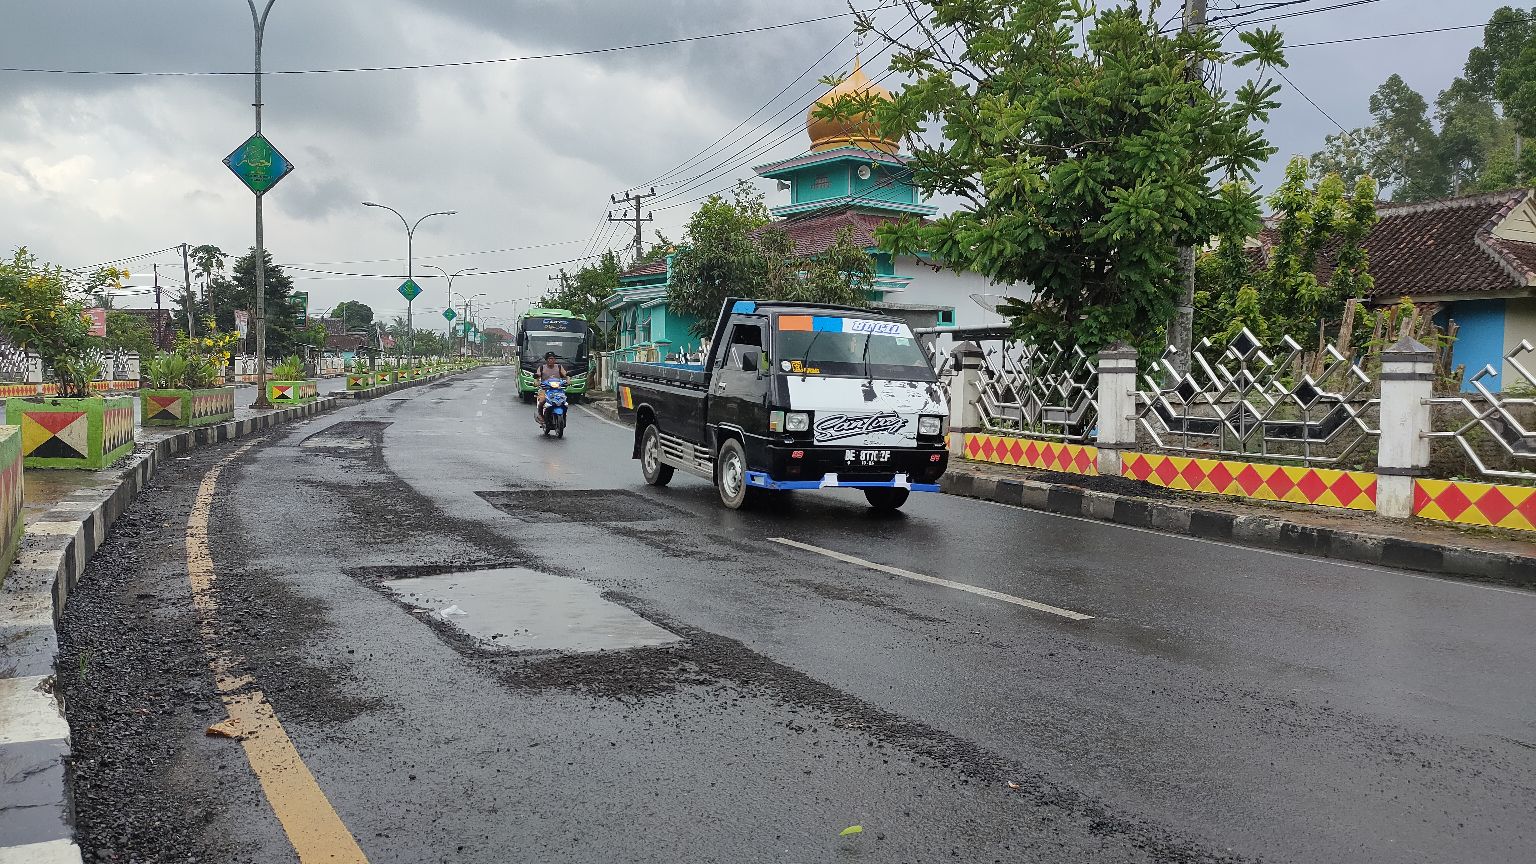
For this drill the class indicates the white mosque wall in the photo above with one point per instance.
(948, 288)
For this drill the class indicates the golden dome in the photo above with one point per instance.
(860, 131)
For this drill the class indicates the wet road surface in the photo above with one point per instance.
(490, 646)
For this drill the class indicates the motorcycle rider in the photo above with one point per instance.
(550, 369)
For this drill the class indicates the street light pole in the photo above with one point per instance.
(451, 277)
(259, 22)
(410, 272)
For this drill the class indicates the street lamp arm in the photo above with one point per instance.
(403, 220)
(412, 228)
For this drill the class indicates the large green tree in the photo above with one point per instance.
(39, 312)
(732, 248)
(227, 295)
(354, 314)
(1313, 226)
(584, 291)
(127, 332)
(1085, 161)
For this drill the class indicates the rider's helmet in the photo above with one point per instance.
(549, 355)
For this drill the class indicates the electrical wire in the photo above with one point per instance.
(444, 65)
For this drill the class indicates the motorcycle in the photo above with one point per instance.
(556, 406)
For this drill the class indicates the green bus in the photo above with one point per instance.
(540, 331)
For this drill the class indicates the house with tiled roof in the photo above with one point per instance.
(1471, 260)
(853, 180)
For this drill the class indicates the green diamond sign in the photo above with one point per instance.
(409, 290)
(258, 164)
(450, 314)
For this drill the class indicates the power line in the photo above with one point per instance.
(433, 257)
(703, 153)
(1405, 33)
(449, 64)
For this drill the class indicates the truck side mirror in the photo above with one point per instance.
(749, 361)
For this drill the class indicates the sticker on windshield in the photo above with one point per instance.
(838, 324)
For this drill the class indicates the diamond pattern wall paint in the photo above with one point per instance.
(1028, 453)
(1475, 503)
(1354, 490)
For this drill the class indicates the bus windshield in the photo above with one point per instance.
(567, 346)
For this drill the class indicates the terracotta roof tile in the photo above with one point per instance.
(649, 268)
(813, 235)
(1441, 247)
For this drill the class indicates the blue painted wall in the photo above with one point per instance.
(885, 185)
(802, 184)
(1480, 339)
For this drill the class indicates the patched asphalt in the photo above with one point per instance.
(1223, 705)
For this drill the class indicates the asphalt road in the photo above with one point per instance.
(640, 675)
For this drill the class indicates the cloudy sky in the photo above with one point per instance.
(98, 167)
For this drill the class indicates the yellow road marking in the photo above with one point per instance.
(311, 823)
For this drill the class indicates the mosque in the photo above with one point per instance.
(850, 178)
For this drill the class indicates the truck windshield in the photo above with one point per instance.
(850, 348)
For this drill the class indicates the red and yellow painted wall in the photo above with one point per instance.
(10, 496)
(1464, 503)
(1352, 490)
(1029, 453)
(1461, 502)
(7, 390)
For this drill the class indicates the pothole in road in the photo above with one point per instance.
(347, 438)
(517, 609)
(578, 505)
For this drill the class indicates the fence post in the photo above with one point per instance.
(964, 394)
(1117, 406)
(1407, 385)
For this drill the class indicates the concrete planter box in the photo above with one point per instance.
(360, 380)
(385, 377)
(89, 433)
(10, 497)
(186, 407)
(292, 392)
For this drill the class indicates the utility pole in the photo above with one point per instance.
(186, 281)
(159, 321)
(634, 199)
(1181, 331)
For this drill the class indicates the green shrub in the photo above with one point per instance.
(291, 369)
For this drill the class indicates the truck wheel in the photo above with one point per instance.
(731, 475)
(655, 472)
(887, 500)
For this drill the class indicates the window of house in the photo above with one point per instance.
(822, 182)
(946, 317)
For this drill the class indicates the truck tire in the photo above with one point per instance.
(651, 466)
(887, 500)
(731, 476)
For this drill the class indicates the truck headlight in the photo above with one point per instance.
(929, 425)
(797, 421)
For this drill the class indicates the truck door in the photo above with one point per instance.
(739, 381)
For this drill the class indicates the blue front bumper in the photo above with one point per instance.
(761, 480)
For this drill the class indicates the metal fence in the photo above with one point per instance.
(1243, 399)
(1042, 391)
(1495, 431)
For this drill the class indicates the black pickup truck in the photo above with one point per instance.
(794, 396)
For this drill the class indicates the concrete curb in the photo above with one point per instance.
(36, 812)
(1262, 532)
